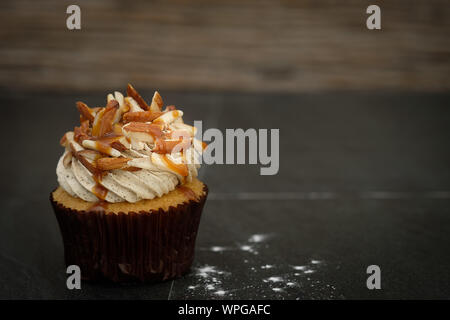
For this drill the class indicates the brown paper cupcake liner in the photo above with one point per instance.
(145, 246)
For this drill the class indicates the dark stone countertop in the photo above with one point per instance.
(364, 179)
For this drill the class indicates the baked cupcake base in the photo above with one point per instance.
(151, 240)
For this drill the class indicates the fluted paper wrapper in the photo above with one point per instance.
(145, 246)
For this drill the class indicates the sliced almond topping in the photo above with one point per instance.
(132, 105)
(109, 97)
(103, 122)
(84, 161)
(169, 146)
(101, 147)
(63, 141)
(81, 133)
(141, 116)
(117, 129)
(119, 97)
(168, 117)
(85, 112)
(67, 160)
(90, 154)
(157, 102)
(136, 96)
(132, 169)
(141, 131)
(111, 163)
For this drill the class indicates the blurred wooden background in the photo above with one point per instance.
(236, 45)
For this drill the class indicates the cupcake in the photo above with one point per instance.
(129, 202)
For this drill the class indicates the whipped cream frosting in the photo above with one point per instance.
(128, 151)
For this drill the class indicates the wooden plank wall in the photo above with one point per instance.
(236, 45)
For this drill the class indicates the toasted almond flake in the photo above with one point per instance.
(141, 131)
(63, 141)
(168, 117)
(82, 132)
(85, 112)
(131, 91)
(84, 161)
(119, 145)
(67, 160)
(157, 102)
(90, 154)
(119, 97)
(132, 105)
(103, 121)
(117, 129)
(122, 107)
(173, 145)
(141, 116)
(101, 147)
(111, 163)
(109, 97)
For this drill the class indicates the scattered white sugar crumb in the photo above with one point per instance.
(192, 287)
(267, 266)
(206, 271)
(217, 249)
(291, 284)
(296, 274)
(308, 271)
(274, 279)
(210, 287)
(220, 292)
(299, 267)
(248, 248)
(315, 261)
(256, 238)
(277, 289)
(245, 261)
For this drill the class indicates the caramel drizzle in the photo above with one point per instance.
(180, 168)
(104, 123)
(166, 146)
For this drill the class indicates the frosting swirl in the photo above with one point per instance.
(128, 150)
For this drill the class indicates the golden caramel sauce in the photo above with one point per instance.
(179, 168)
(99, 190)
(102, 147)
(166, 146)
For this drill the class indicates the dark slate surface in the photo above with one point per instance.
(364, 179)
